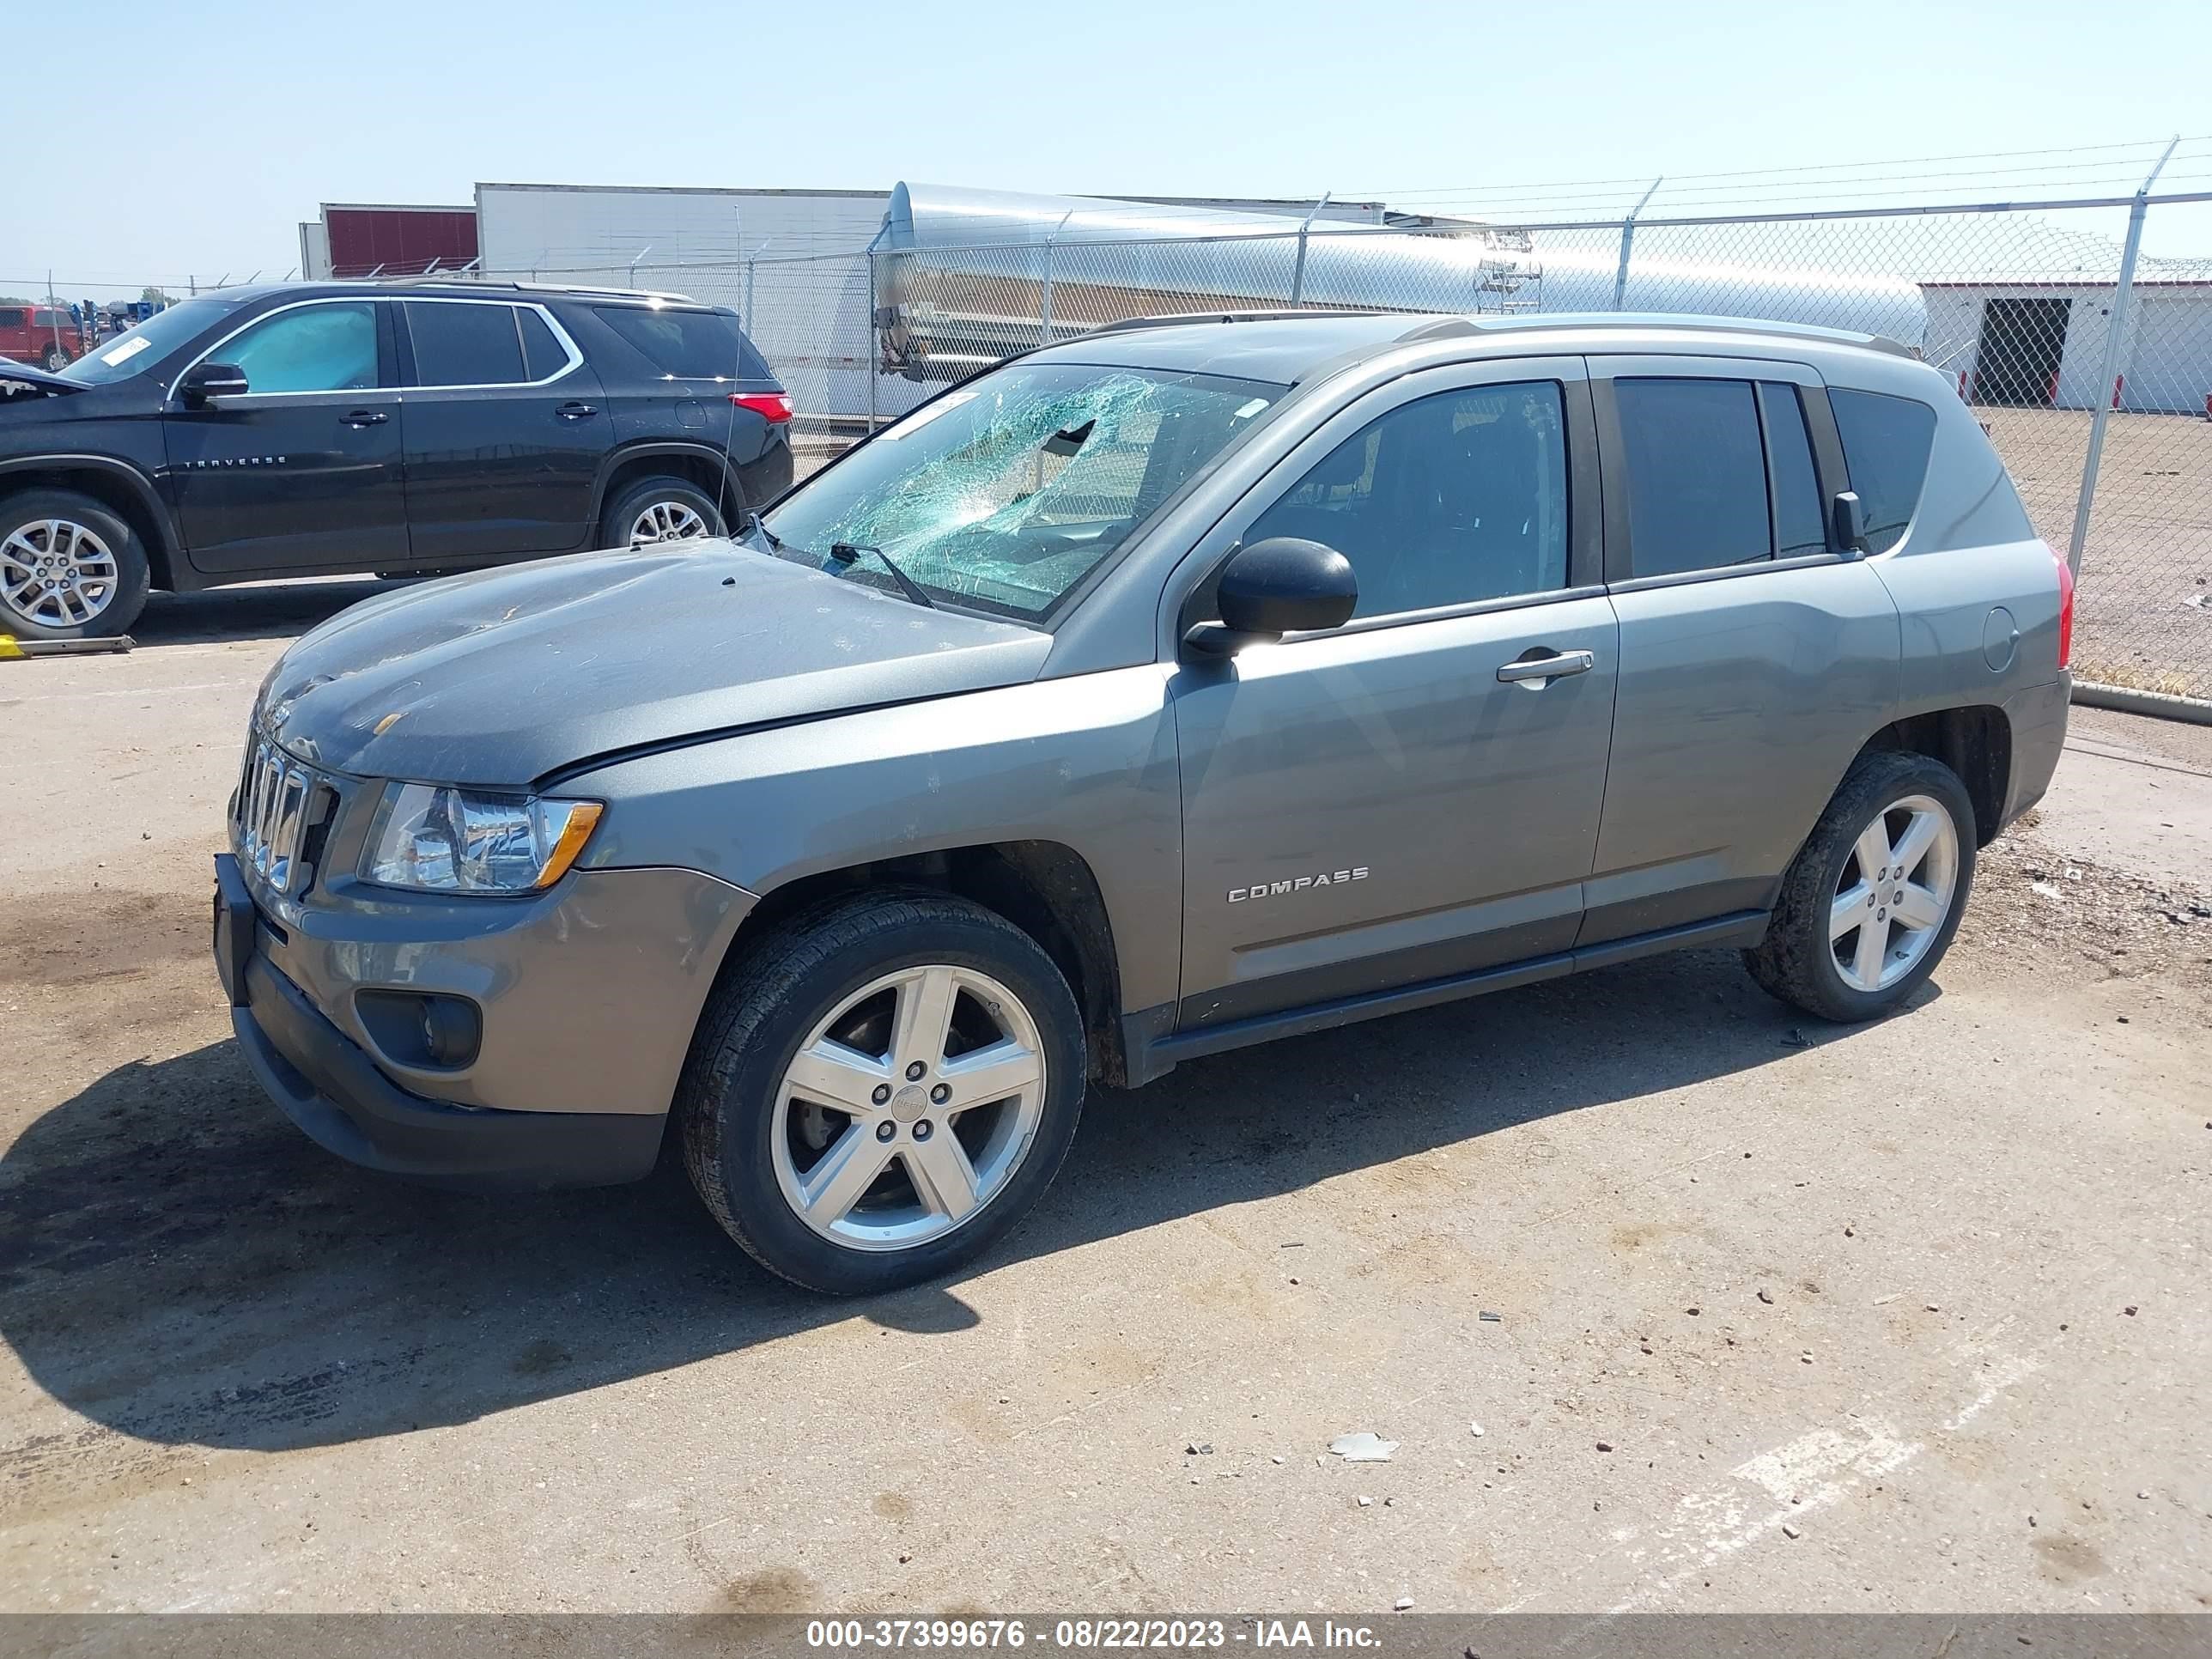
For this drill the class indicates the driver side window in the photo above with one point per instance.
(1452, 498)
(316, 348)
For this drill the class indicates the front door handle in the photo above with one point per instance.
(364, 417)
(575, 411)
(1538, 671)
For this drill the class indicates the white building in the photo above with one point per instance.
(2042, 344)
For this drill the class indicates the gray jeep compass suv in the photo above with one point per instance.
(1174, 688)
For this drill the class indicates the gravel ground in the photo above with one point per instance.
(1787, 1317)
(2149, 552)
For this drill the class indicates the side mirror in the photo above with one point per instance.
(1283, 585)
(205, 381)
(1850, 523)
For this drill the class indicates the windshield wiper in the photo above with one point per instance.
(847, 552)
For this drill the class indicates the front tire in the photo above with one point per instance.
(655, 511)
(69, 569)
(1871, 903)
(883, 1089)
(55, 360)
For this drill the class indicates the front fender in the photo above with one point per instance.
(1088, 761)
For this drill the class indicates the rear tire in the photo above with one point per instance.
(654, 512)
(821, 1109)
(1874, 897)
(70, 567)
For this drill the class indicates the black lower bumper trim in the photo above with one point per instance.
(328, 1085)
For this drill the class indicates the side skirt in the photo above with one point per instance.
(1155, 1049)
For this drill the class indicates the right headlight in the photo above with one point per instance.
(433, 838)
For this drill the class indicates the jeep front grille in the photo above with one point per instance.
(278, 801)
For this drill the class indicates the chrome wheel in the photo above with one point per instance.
(1895, 891)
(909, 1110)
(665, 521)
(57, 574)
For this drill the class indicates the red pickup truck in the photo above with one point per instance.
(45, 335)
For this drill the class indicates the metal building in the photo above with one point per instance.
(2042, 344)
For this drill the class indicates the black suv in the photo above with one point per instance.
(306, 430)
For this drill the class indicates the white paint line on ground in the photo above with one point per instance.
(1798, 1478)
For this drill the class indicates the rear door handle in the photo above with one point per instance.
(1538, 671)
(365, 417)
(573, 411)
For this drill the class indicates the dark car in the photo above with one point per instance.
(308, 430)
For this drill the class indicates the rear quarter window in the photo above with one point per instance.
(689, 345)
(1886, 444)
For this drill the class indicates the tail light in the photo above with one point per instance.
(2065, 609)
(774, 407)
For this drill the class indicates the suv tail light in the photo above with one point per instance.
(774, 407)
(2065, 609)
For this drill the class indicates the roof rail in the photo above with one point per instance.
(1446, 327)
(594, 287)
(1176, 319)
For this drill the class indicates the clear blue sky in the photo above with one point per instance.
(196, 142)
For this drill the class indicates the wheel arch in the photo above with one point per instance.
(1045, 888)
(116, 485)
(698, 465)
(1974, 740)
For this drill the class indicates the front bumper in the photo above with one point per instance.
(341, 1094)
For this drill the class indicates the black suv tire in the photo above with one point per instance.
(731, 1105)
(23, 534)
(1798, 961)
(663, 492)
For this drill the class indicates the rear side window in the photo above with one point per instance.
(465, 344)
(541, 353)
(689, 345)
(1886, 442)
(11, 316)
(1696, 474)
(1799, 525)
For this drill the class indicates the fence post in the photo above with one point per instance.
(1628, 241)
(2116, 344)
(875, 353)
(1298, 271)
(1044, 299)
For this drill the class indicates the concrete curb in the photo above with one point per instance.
(2158, 704)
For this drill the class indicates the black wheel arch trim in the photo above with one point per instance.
(171, 566)
(732, 502)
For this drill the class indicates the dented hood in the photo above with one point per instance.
(498, 677)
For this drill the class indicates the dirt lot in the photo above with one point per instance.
(1908, 1316)
(2149, 552)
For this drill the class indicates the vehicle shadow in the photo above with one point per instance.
(260, 610)
(179, 1264)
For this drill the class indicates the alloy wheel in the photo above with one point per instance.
(1894, 893)
(909, 1108)
(665, 521)
(56, 574)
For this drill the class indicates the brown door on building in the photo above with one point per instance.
(2023, 343)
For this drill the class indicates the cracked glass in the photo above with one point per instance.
(1000, 495)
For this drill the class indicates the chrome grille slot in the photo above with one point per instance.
(275, 798)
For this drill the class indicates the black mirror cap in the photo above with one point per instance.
(1284, 584)
(1850, 523)
(206, 380)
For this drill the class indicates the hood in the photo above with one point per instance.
(21, 380)
(498, 677)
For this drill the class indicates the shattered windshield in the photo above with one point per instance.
(1003, 494)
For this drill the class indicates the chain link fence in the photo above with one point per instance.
(2090, 367)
